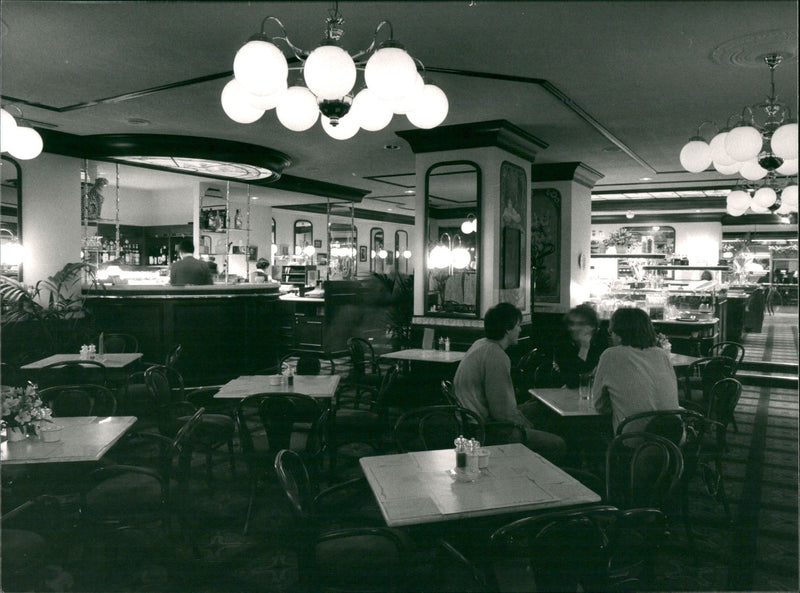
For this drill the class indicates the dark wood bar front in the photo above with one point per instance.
(225, 331)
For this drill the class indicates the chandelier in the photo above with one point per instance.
(760, 147)
(393, 84)
(17, 138)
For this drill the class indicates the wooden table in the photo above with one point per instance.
(416, 488)
(316, 386)
(111, 361)
(82, 438)
(421, 355)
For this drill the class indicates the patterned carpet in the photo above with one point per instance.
(777, 340)
(758, 552)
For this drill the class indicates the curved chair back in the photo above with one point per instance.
(280, 412)
(171, 360)
(362, 356)
(308, 363)
(73, 372)
(120, 343)
(165, 384)
(436, 427)
(588, 549)
(704, 373)
(79, 400)
(732, 350)
(721, 406)
(449, 393)
(293, 476)
(642, 470)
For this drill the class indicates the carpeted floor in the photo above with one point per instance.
(757, 552)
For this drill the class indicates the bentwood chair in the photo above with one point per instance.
(359, 557)
(307, 363)
(703, 373)
(129, 498)
(270, 422)
(733, 350)
(436, 427)
(600, 548)
(79, 400)
(173, 409)
(365, 371)
(73, 372)
(120, 343)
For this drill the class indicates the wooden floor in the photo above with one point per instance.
(777, 342)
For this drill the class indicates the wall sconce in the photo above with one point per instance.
(383, 254)
(470, 225)
(407, 254)
(441, 256)
(12, 253)
(461, 257)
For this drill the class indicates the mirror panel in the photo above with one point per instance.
(303, 236)
(377, 253)
(342, 241)
(11, 250)
(451, 267)
(653, 239)
(402, 254)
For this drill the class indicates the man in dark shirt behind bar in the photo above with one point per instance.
(188, 270)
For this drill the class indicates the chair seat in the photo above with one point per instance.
(133, 495)
(214, 428)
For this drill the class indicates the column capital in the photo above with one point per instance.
(577, 172)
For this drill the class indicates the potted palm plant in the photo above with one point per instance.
(46, 318)
(619, 241)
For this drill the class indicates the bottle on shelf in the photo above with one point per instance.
(237, 219)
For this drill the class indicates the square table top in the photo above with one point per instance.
(110, 360)
(415, 488)
(317, 386)
(564, 401)
(82, 438)
(421, 355)
(681, 360)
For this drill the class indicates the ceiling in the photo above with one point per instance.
(627, 83)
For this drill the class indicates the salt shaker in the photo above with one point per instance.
(461, 454)
(473, 447)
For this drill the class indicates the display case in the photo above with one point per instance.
(301, 276)
(224, 223)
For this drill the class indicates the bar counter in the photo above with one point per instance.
(226, 330)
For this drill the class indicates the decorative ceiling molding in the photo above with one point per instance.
(360, 213)
(658, 204)
(498, 132)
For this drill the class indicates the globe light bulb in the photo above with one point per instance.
(695, 156)
(738, 200)
(756, 208)
(460, 258)
(431, 110)
(260, 67)
(329, 72)
(410, 100)
(26, 144)
(383, 254)
(743, 143)
(390, 73)
(784, 141)
(752, 171)
(629, 214)
(789, 197)
(789, 167)
(719, 155)
(731, 169)
(8, 126)
(764, 197)
(407, 254)
(345, 129)
(267, 102)
(297, 109)
(236, 103)
(372, 113)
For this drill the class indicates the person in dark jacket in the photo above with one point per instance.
(188, 270)
(579, 351)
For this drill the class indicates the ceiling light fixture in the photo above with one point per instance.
(17, 138)
(629, 214)
(393, 84)
(761, 145)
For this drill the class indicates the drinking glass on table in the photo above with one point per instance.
(585, 389)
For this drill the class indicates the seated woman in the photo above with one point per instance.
(579, 351)
(635, 375)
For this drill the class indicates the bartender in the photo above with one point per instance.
(261, 273)
(188, 270)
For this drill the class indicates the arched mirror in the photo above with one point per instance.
(377, 252)
(342, 242)
(452, 278)
(303, 237)
(11, 250)
(402, 254)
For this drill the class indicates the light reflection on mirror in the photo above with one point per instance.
(402, 255)
(377, 253)
(303, 237)
(452, 197)
(11, 246)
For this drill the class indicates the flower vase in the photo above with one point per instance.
(15, 433)
(622, 249)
